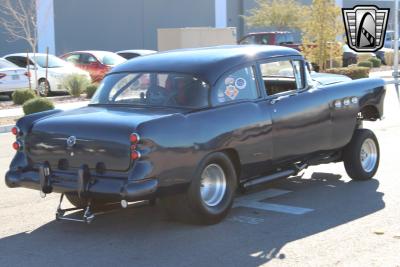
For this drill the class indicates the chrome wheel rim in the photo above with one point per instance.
(42, 88)
(368, 155)
(212, 185)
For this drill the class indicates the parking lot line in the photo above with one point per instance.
(255, 201)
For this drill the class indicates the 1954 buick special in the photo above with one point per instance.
(190, 127)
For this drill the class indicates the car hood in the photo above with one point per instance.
(101, 133)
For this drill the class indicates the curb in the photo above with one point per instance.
(6, 128)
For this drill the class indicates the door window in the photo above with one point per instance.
(238, 85)
(282, 76)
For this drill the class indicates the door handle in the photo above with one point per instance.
(279, 98)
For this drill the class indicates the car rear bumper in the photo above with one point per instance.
(108, 188)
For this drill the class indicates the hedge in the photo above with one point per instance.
(37, 105)
(91, 89)
(367, 64)
(20, 96)
(352, 72)
(376, 62)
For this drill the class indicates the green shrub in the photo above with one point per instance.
(367, 64)
(352, 72)
(37, 105)
(364, 56)
(76, 84)
(91, 89)
(376, 62)
(20, 96)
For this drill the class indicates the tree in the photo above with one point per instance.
(19, 21)
(282, 14)
(320, 30)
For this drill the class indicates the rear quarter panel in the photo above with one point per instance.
(175, 145)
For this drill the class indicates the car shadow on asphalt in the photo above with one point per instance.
(144, 236)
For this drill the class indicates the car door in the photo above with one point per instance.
(301, 122)
(240, 104)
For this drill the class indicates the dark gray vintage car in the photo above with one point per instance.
(191, 127)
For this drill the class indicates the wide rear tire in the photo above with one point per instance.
(210, 194)
(361, 156)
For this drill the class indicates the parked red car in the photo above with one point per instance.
(271, 38)
(97, 63)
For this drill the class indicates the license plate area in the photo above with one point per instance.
(15, 77)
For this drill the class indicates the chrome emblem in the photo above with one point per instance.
(71, 141)
(365, 27)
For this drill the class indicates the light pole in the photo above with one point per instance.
(396, 48)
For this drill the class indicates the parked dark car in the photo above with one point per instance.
(349, 56)
(189, 127)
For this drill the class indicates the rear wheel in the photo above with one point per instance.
(361, 155)
(210, 194)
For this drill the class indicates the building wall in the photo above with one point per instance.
(8, 46)
(123, 24)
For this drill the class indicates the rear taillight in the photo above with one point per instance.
(134, 139)
(2, 75)
(15, 130)
(27, 74)
(17, 145)
(135, 155)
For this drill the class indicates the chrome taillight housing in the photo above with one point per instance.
(134, 139)
(17, 145)
(15, 130)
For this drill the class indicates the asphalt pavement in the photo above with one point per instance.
(321, 218)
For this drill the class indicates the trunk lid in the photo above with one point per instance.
(101, 134)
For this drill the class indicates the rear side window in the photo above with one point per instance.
(238, 85)
(19, 61)
(74, 58)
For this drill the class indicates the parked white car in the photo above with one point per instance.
(12, 77)
(57, 70)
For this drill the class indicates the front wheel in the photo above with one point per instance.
(210, 194)
(361, 156)
(44, 87)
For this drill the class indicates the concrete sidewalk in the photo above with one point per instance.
(12, 112)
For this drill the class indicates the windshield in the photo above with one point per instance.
(109, 58)
(152, 89)
(6, 64)
(54, 62)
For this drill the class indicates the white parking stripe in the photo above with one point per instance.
(254, 201)
(262, 195)
(274, 207)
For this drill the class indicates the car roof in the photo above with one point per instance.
(137, 51)
(207, 63)
(24, 54)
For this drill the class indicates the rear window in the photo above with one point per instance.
(152, 89)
